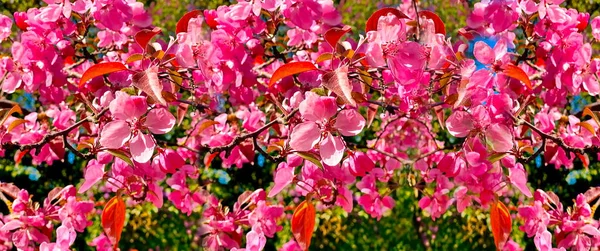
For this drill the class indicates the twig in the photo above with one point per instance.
(241, 138)
(72, 149)
(532, 157)
(557, 140)
(48, 137)
(418, 34)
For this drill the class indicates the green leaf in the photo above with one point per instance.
(496, 156)
(311, 157)
(121, 155)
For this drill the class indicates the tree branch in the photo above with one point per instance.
(48, 137)
(241, 138)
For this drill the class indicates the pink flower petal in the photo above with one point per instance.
(127, 107)
(93, 173)
(345, 199)
(115, 134)
(5, 26)
(283, 177)
(142, 147)
(595, 23)
(518, 177)
(317, 108)
(349, 122)
(305, 136)
(255, 241)
(160, 121)
(483, 53)
(499, 137)
(332, 150)
(459, 124)
(591, 230)
(500, 49)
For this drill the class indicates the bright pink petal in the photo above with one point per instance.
(345, 199)
(142, 147)
(483, 53)
(459, 124)
(127, 107)
(255, 241)
(500, 49)
(93, 173)
(160, 121)
(332, 150)
(305, 136)
(518, 177)
(412, 55)
(349, 122)
(543, 241)
(595, 23)
(590, 230)
(317, 108)
(283, 177)
(5, 26)
(482, 78)
(115, 134)
(499, 137)
(374, 54)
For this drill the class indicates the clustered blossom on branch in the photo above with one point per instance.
(278, 79)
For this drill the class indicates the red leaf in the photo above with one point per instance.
(113, 219)
(374, 18)
(437, 21)
(19, 155)
(584, 159)
(291, 69)
(466, 34)
(181, 112)
(209, 158)
(333, 35)
(303, 223)
(148, 82)
(144, 36)
(337, 81)
(501, 223)
(371, 113)
(101, 69)
(516, 72)
(182, 24)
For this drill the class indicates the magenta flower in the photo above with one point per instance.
(595, 28)
(477, 120)
(388, 44)
(129, 124)
(319, 127)
(5, 25)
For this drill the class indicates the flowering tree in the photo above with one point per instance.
(281, 81)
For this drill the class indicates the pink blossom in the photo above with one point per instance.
(536, 219)
(65, 237)
(595, 28)
(5, 26)
(263, 218)
(319, 126)
(112, 14)
(129, 122)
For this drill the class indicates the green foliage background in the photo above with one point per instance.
(402, 229)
